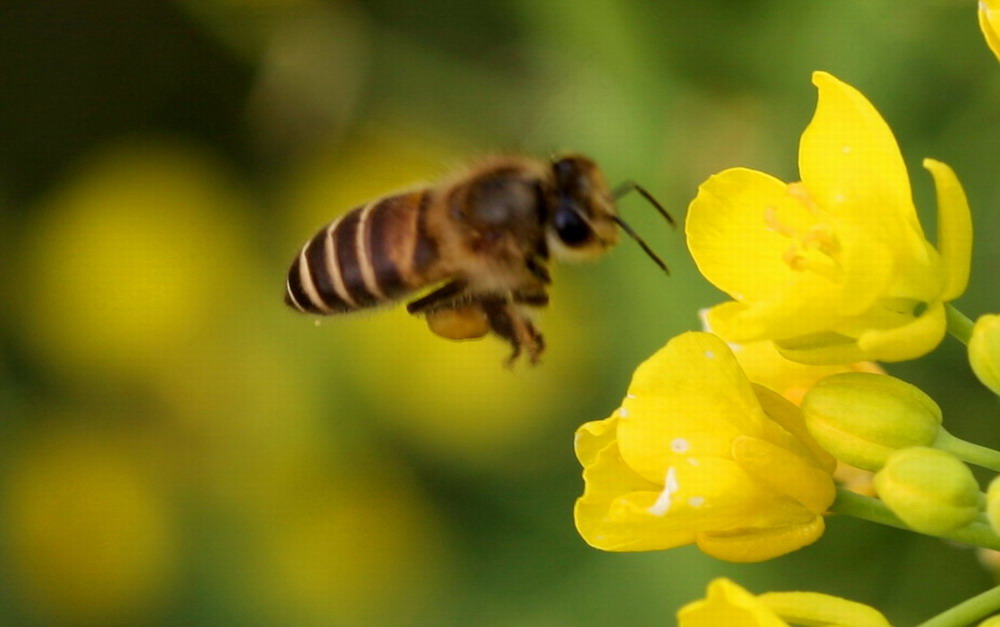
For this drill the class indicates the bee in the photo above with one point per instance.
(480, 242)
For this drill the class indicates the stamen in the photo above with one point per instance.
(821, 237)
(805, 260)
(800, 193)
(776, 225)
(814, 250)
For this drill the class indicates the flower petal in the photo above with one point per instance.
(608, 477)
(608, 480)
(783, 412)
(690, 399)
(592, 438)
(728, 234)
(628, 526)
(814, 608)
(954, 228)
(989, 23)
(765, 366)
(785, 473)
(801, 311)
(732, 321)
(821, 348)
(715, 494)
(908, 341)
(851, 165)
(726, 603)
(621, 512)
(760, 545)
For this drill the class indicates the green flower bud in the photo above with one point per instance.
(984, 351)
(993, 504)
(930, 490)
(861, 418)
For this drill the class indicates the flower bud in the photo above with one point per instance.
(861, 418)
(931, 490)
(993, 504)
(984, 351)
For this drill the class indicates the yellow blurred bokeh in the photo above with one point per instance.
(339, 549)
(127, 259)
(89, 526)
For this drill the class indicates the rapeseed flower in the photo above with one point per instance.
(698, 454)
(726, 603)
(989, 23)
(835, 268)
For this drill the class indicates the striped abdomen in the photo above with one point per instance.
(371, 255)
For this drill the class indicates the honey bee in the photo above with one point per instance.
(482, 240)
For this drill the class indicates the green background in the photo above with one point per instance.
(179, 448)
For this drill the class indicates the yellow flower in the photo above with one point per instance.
(89, 530)
(984, 351)
(989, 22)
(765, 365)
(698, 454)
(835, 268)
(728, 604)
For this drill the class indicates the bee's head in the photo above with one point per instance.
(582, 218)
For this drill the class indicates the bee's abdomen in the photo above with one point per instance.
(370, 255)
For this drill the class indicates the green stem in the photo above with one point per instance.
(864, 507)
(967, 612)
(967, 451)
(959, 325)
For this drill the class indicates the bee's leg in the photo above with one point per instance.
(537, 268)
(510, 324)
(445, 296)
(532, 299)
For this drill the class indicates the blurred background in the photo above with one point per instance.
(180, 448)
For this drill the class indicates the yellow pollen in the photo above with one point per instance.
(816, 249)
(775, 224)
(821, 237)
(803, 259)
(799, 192)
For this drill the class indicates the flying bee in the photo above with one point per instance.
(482, 240)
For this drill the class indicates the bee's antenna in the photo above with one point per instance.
(640, 242)
(627, 187)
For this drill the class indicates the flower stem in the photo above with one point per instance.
(864, 507)
(967, 451)
(967, 612)
(959, 325)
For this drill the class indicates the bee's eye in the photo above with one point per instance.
(571, 228)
